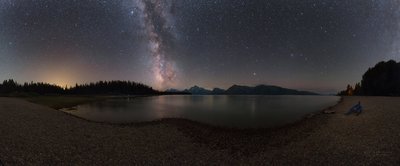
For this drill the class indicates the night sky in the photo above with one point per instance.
(317, 45)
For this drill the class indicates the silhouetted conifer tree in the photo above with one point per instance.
(97, 88)
(381, 80)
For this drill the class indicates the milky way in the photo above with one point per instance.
(157, 24)
(315, 45)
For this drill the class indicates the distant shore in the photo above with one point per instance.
(35, 134)
(67, 101)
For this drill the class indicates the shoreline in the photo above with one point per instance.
(36, 135)
(169, 120)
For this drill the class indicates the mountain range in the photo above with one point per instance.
(244, 90)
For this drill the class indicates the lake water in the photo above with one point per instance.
(219, 110)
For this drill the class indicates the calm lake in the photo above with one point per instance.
(219, 110)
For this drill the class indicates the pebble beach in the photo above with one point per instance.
(32, 134)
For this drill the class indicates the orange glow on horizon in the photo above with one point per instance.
(61, 77)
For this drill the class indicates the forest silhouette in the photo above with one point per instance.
(11, 87)
(381, 80)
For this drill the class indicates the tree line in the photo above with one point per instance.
(381, 80)
(96, 88)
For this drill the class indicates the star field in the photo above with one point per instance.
(318, 45)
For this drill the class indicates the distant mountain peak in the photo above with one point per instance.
(246, 90)
(198, 90)
(264, 90)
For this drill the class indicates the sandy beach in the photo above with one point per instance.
(35, 135)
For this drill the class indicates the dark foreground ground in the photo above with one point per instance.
(37, 135)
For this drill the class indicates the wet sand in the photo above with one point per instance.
(35, 135)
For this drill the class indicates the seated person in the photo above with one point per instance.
(356, 109)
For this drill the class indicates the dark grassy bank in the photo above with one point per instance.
(63, 101)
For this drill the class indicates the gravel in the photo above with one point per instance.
(32, 134)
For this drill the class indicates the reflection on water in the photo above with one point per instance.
(220, 110)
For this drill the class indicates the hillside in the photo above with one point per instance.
(247, 90)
